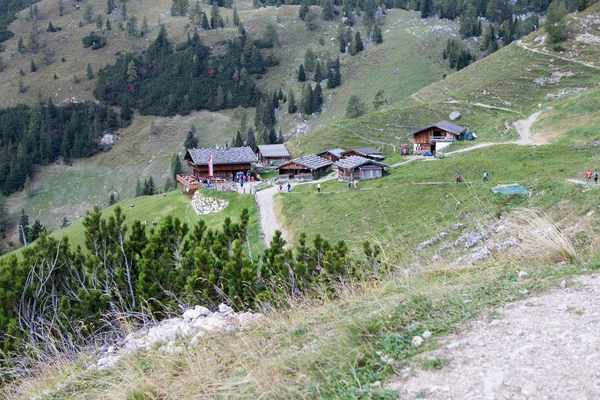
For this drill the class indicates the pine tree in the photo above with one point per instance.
(301, 74)
(21, 86)
(176, 168)
(139, 191)
(426, 8)
(377, 35)
(65, 223)
(111, 199)
(131, 72)
(309, 60)
(190, 141)
(144, 26)
(238, 141)
(272, 136)
(304, 9)
(280, 138)
(205, 24)
(555, 22)
(355, 107)
(149, 187)
(292, 108)
(328, 11)
(32, 66)
(132, 26)
(251, 139)
(88, 13)
(108, 25)
(35, 231)
(179, 7)
(318, 74)
(236, 18)
(23, 227)
(583, 4)
(99, 22)
(317, 98)
(90, 73)
(307, 100)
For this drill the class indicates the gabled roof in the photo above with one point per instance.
(443, 125)
(312, 161)
(366, 151)
(356, 161)
(335, 152)
(273, 150)
(233, 155)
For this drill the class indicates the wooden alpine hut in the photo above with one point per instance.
(366, 152)
(436, 137)
(359, 168)
(304, 168)
(331, 154)
(271, 154)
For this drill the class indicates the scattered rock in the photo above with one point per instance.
(206, 205)
(225, 309)
(523, 274)
(454, 115)
(563, 284)
(417, 341)
(426, 334)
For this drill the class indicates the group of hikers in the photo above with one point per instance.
(589, 175)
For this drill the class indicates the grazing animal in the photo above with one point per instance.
(144, 223)
(154, 223)
(131, 205)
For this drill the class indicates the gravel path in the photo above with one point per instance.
(265, 201)
(523, 127)
(545, 347)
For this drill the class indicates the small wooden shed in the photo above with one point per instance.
(359, 168)
(331, 154)
(272, 154)
(435, 137)
(366, 152)
(304, 168)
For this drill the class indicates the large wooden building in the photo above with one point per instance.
(435, 137)
(273, 154)
(366, 152)
(228, 163)
(304, 168)
(359, 168)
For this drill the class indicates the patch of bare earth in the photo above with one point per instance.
(545, 347)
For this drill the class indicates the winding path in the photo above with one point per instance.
(585, 64)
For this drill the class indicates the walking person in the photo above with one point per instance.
(289, 186)
(281, 188)
(485, 176)
(318, 188)
(356, 184)
(588, 177)
(595, 176)
(349, 184)
(458, 177)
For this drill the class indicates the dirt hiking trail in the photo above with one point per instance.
(544, 347)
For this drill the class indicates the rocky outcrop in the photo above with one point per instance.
(174, 334)
(206, 205)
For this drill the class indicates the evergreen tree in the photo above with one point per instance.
(236, 18)
(583, 4)
(292, 108)
(306, 103)
(35, 231)
(377, 35)
(317, 98)
(132, 26)
(328, 11)
(90, 73)
(280, 139)
(238, 141)
(176, 167)
(190, 141)
(149, 187)
(144, 26)
(272, 136)
(205, 24)
(139, 190)
(355, 107)
(309, 60)
(318, 74)
(110, 6)
(555, 22)
(304, 9)
(108, 25)
(111, 199)
(426, 8)
(179, 7)
(301, 74)
(99, 22)
(358, 43)
(88, 13)
(251, 139)
(32, 66)
(64, 223)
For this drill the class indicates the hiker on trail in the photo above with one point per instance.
(349, 184)
(281, 188)
(289, 185)
(595, 176)
(458, 177)
(355, 184)
(318, 187)
(485, 176)
(588, 176)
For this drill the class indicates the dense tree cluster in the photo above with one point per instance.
(125, 270)
(166, 82)
(458, 54)
(39, 134)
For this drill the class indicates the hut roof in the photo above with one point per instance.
(444, 125)
(365, 151)
(273, 150)
(356, 161)
(233, 155)
(335, 152)
(312, 161)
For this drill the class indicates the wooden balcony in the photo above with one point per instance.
(190, 183)
(434, 139)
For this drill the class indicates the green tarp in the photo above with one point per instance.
(510, 189)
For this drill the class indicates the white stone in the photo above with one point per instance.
(191, 315)
(426, 335)
(523, 274)
(225, 309)
(417, 341)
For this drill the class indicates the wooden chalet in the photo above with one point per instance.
(366, 152)
(304, 168)
(359, 168)
(331, 154)
(228, 163)
(273, 154)
(435, 137)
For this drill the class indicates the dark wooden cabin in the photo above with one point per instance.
(227, 164)
(273, 154)
(331, 154)
(435, 137)
(304, 168)
(366, 152)
(359, 168)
